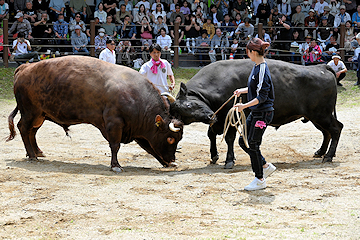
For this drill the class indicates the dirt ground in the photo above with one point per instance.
(72, 194)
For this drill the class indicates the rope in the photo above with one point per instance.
(235, 119)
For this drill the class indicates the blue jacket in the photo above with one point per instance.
(261, 87)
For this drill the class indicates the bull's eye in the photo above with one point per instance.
(170, 140)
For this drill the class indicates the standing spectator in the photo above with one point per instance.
(19, 5)
(216, 16)
(284, 8)
(140, 14)
(192, 31)
(157, 70)
(110, 7)
(239, 7)
(219, 44)
(125, 53)
(160, 24)
(4, 10)
(356, 19)
(79, 41)
(110, 28)
(319, 7)
(61, 30)
(342, 17)
(21, 25)
(128, 29)
(43, 30)
(100, 42)
(100, 13)
(284, 36)
(223, 6)
(339, 67)
(108, 54)
(56, 7)
(202, 46)
(164, 41)
(158, 12)
(263, 13)
(77, 22)
(30, 13)
(245, 29)
(311, 23)
(175, 14)
(120, 16)
(78, 7)
(21, 47)
(209, 27)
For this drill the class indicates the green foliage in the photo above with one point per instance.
(6, 83)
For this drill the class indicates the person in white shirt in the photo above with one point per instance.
(343, 16)
(164, 42)
(21, 48)
(339, 67)
(157, 70)
(319, 7)
(108, 54)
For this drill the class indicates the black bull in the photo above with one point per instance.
(308, 92)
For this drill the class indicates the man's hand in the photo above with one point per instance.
(338, 74)
(239, 107)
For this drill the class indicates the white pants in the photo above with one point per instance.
(192, 49)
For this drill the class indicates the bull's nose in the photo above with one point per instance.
(212, 119)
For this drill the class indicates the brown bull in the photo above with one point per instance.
(117, 100)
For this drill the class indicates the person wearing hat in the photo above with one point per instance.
(311, 23)
(330, 17)
(108, 54)
(342, 17)
(319, 7)
(303, 48)
(100, 42)
(79, 40)
(335, 7)
(305, 7)
(21, 25)
(339, 67)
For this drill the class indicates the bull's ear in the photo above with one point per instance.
(183, 90)
(159, 121)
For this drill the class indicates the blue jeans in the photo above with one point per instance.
(81, 50)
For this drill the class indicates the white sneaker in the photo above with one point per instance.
(269, 170)
(256, 184)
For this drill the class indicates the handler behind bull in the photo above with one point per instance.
(260, 94)
(157, 70)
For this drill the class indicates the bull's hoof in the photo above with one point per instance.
(117, 169)
(318, 154)
(229, 165)
(327, 159)
(173, 165)
(40, 154)
(33, 159)
(214, 159)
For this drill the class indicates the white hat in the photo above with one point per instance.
(101, 30)
(77, 27)
(19, 15)
(336, 56)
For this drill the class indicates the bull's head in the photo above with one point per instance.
(191, 108)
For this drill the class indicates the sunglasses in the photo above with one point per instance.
(77, 16)
(112, 43)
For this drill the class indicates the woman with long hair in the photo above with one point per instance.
(140, 14)
(260, 96)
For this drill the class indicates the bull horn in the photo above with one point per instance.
(169, 96)
(173, 128)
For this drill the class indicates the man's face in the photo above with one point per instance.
(298, 9)
(155, 54)
(44, 16)
(28, 5)
(177, 9)
(324, 22)
(20, 19)
(109, 19)
(342, 10)
(77, 31)
(311, 14)
(61, 17)
(111, 45)
(160, 20)
(163, 33)
(2, 2)
(336, 61)
(178, 19)
(213, 10)
(123, 9)
(77, 18)
(127, 19)
(227, 18)
(218, 32)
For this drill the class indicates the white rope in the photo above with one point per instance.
(235, 119)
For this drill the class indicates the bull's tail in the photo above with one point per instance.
(11, 124)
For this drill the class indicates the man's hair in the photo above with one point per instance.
(177, 5)
(160, 17)
(163, 29)
(226, 15)
(122, 5)
(154, 46)
(109, 41)
(213, 6)
(21, 35)
(60, 15)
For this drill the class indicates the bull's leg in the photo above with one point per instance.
(213, 149)
(115, 166)
(327, 136)
(25, 127)
(36, 125)
(146, 146)
(230, 139)
(335, 130)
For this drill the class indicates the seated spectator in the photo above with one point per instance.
(305, 8)
(78, 7)
(29, 12)
(110, 7)
(196, 5)
(219, 45)
(199, 17)
(120, 15)
(185, 9)
(172, 8)
(160, 24)
(146, 5)
(77, 22)
(158, 12)
(331, 49)
(100, 41)
(4, 10)
(128, 4)
(244, 30)
(19, 5)
(265, 36)
(263, 13)
(312, 55)
(274, 17)
(319, 7)
(21, 48)
(181, 31)
(175, 14)
(324, 32)
(239, 7)
(43, 30)
(304, 47)
(61, 30)
(192, 31)
(349, 36)
(56, 7)
(157, 2)
(228, 26)
(217, 16)
(126, 53)
(108, 53)
(339, 67)
(284, 8)
(21, 25)
(234, 46)
(356, 19)
(311, 23)
(202, 46)
(145, 51)
(294, 47)
(222, 6)
(329, 16)
(237, 20)
(350, 6)
(298, 20)
(140, 14)
(335, 7)
(79, 41)
(342, 17)
(97, 27)
(146, 32)
(254, 5)
(110, 28)
(164, 42)
(40, 7)
(100, 13)
(209, 27)
(128, 29)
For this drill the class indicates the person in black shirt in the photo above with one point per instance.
(29, 12)
(284, 36)
(42, 29)
(331, 49)
(192, 31)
